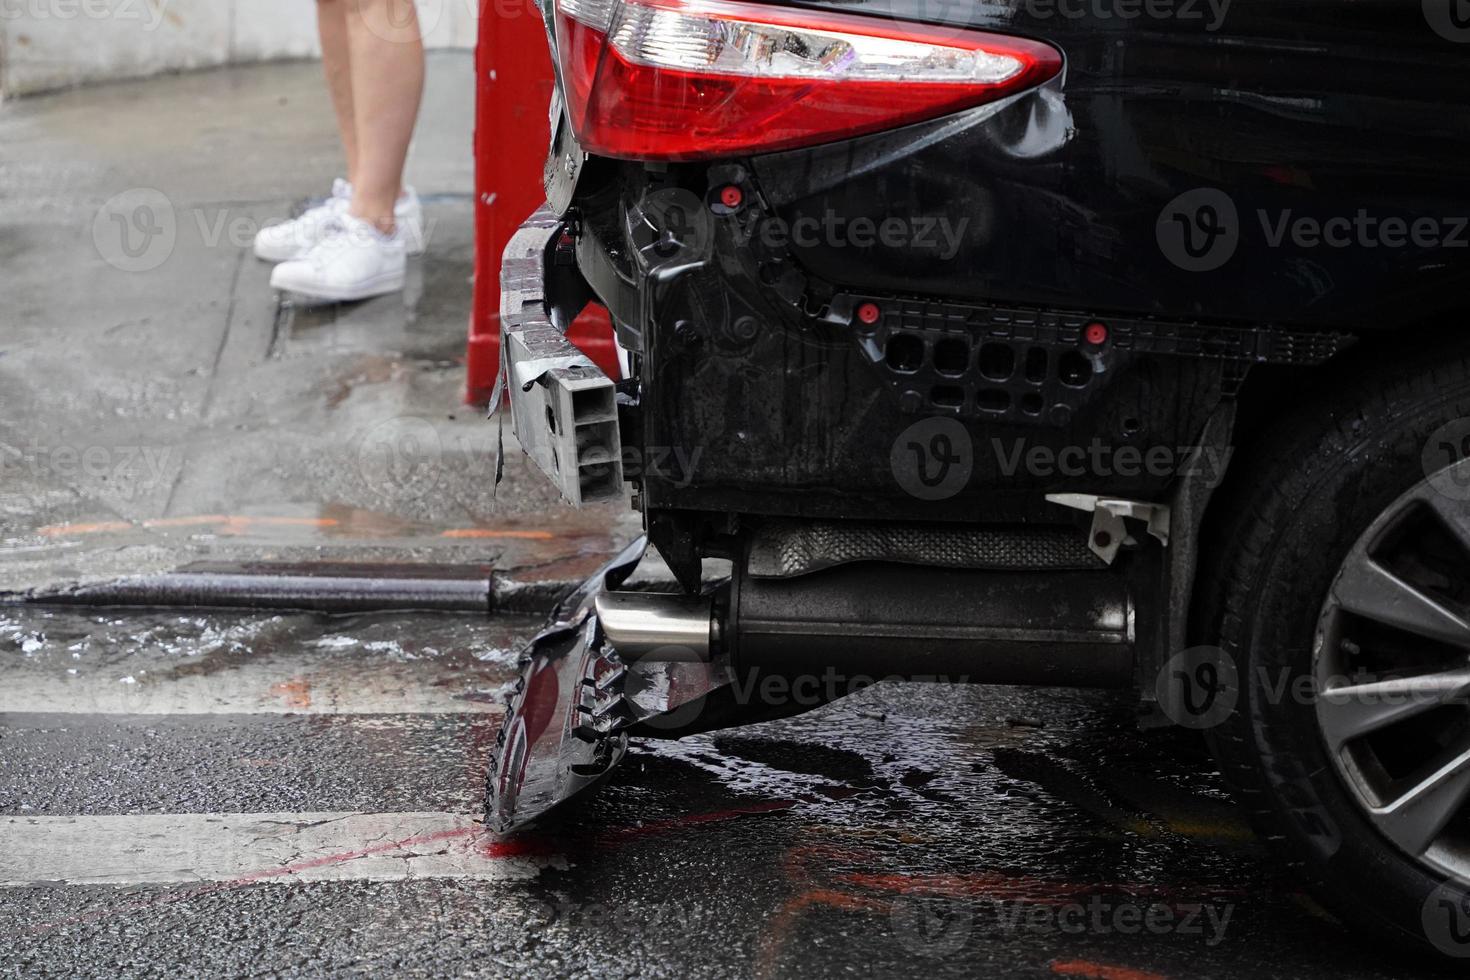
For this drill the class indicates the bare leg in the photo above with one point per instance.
(387, 82)
(331, 25)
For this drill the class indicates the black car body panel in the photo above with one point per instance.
(1291, 109)
(1175, 171)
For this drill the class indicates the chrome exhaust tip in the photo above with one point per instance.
(658, 626)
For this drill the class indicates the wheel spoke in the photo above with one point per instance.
(1455, 515)
(1354, 710)
(1414, 820)
(1372, 591)
(1409, 773)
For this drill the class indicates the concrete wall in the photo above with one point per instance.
(50, 44)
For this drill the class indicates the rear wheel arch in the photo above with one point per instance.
(1282, 414)
(1300, 493)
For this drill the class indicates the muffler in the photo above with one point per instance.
(890, 620)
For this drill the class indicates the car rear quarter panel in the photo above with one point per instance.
(1276, 115)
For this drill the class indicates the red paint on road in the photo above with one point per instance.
(1101, 971)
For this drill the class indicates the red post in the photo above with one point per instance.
(513, 91)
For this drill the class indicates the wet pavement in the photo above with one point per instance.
(160, 405)
(298, 793)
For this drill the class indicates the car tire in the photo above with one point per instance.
(1294, 510)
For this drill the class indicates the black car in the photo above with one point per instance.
(1078, 342)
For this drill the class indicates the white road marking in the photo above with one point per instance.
(251, 687)
(245, 848)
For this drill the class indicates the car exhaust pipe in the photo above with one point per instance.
(646, 625)
(890, 620)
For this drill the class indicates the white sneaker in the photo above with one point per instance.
(408, 215)
(353, 260)
(293, 239)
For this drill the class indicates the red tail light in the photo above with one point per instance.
(685, 79)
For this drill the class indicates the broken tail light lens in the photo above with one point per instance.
(696, 79)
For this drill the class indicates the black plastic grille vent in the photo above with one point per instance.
(1039, 365)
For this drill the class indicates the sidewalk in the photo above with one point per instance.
(159, 408)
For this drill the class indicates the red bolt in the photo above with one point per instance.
(868, 313)
(731, 196)
(1097, 334)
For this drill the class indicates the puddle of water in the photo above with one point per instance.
(102, 639)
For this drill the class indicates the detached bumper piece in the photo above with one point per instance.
(561, 732)
(567, 721)
(564, 408)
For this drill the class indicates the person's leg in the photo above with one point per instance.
(287, 240)
(331, 25)
(387, 66)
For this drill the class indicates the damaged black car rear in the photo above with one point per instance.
(1051, 342)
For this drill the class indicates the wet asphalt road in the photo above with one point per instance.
(906, 829)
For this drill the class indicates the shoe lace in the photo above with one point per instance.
(331, 206)
(333, 239)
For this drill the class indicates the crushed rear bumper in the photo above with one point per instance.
(563, 406)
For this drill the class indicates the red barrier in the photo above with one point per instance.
(513, 91)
